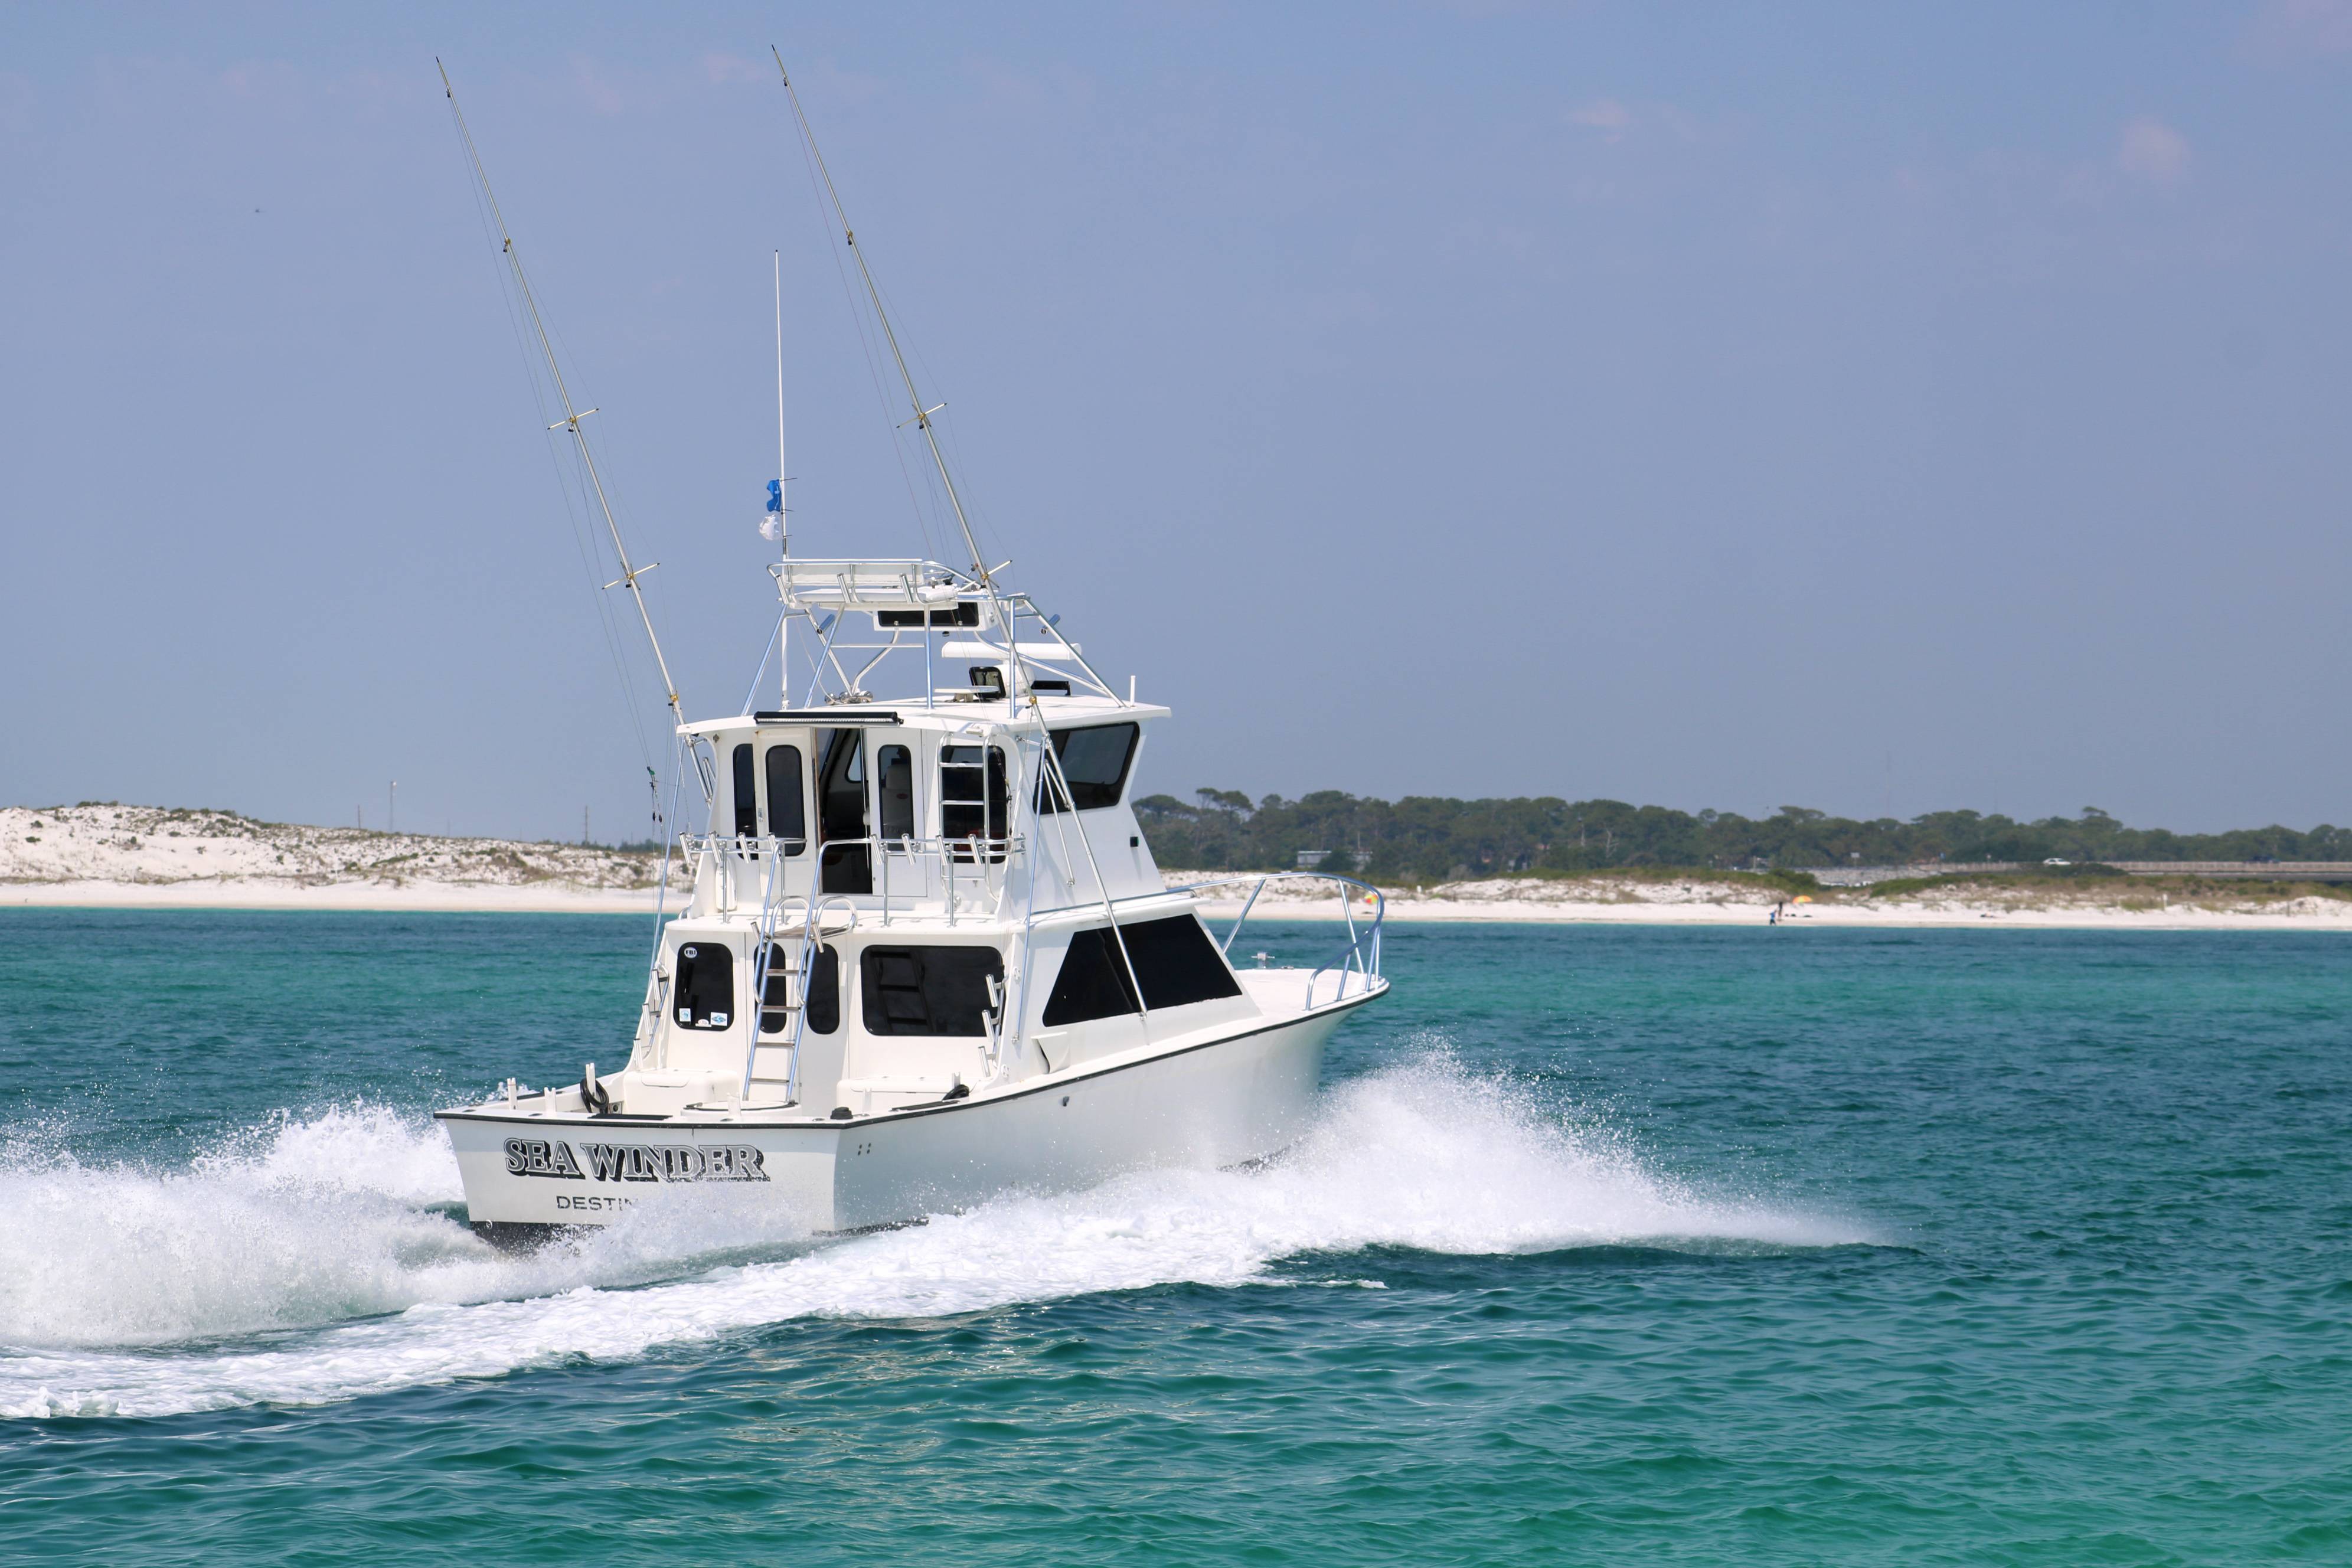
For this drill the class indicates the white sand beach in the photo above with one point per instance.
(127, 856)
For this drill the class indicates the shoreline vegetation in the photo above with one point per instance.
(100, 854)
(1429, 839)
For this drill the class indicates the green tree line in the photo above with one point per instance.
(1428, 838)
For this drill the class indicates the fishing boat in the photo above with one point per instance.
(920, 952)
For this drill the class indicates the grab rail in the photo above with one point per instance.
(1360, 955)
(972, 856)
(772, 914)
(812, 935)
(751, 845)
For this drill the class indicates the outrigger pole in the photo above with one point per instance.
(783, 512)
(922, 415)
(571, 416)
(1050, 759)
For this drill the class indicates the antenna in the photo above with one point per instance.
(571, 416)
(1048, 757)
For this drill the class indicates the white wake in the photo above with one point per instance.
(121, 1284)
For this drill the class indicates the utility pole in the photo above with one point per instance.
(583, 826)
(393, 816)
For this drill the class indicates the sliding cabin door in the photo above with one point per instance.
(846, 866)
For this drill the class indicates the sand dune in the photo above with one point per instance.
(134, 856)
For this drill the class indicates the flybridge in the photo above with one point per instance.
(880, 585)
(861, 612)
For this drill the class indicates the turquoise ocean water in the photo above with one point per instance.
(1611, 1245)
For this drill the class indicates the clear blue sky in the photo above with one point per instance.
(1840, 406)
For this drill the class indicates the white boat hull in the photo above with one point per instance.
(1222, 1103)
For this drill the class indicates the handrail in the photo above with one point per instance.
(772, 908)
(955, 858)
(812, 939)
(1361, 954)
(764, 843)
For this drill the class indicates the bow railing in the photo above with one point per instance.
(1358, 957)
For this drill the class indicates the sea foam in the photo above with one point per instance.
(322, 1230)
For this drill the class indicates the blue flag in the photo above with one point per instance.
(775, 495)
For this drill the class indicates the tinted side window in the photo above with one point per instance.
(824, 994)
(1094, 760)
(927, 990)
(894, 791)
(787, 806)
(1092, 983)
(1177, 963)
(776, 995)
(1174, 958)
(704, 997)
(824, 991)
(747, 800)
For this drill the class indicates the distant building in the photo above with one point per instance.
(1341, 861)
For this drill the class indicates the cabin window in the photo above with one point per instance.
(1177, 963)
(824, 994)
(704, 997)
(929, 989)
(776, 995)
(1092, 984)
(787, 806)
(824, 991)
(894, 790)
(746, 799)
(1095, 762)
(1174, 958)
(974, 798)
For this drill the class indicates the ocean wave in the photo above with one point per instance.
(311, 1225)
